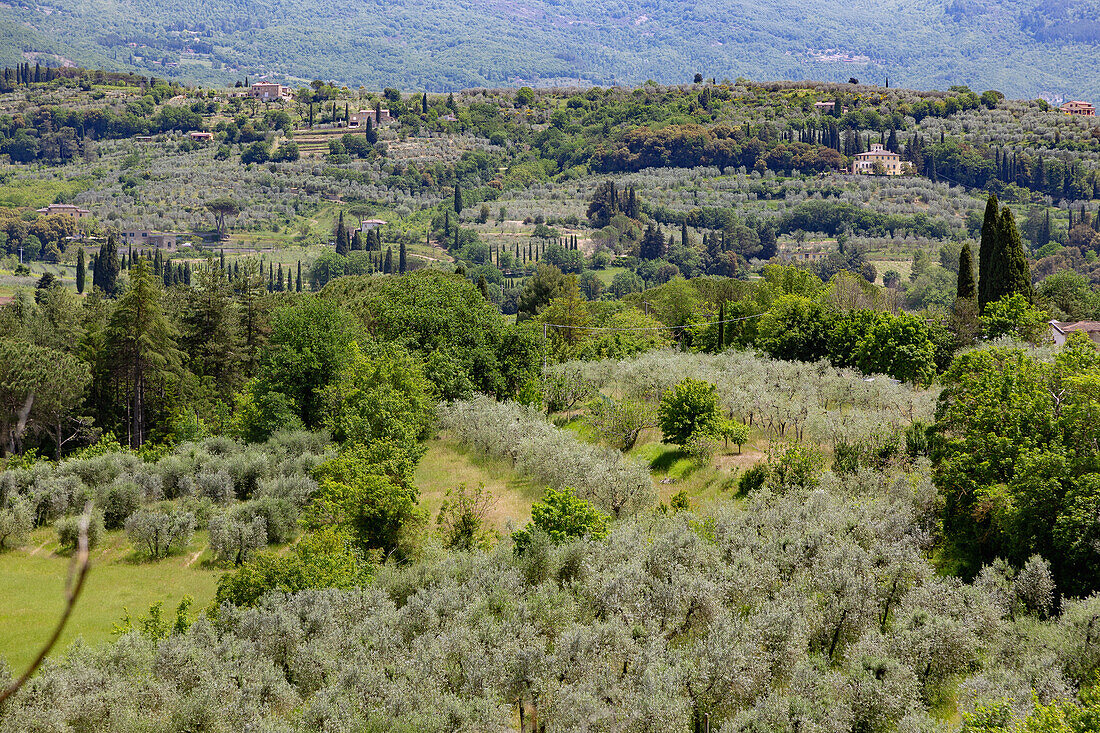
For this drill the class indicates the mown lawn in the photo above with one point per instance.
(32, 582)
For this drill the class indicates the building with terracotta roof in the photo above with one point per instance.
(66, 209)
(268, 91)
(359, 119)
(1084, 109)
(865, 162)
(1060, 330)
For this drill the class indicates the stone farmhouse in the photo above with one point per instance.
(359, 119)
(1060, 330)
(66, 209)
(267, 91)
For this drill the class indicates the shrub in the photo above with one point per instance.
(753, 478)
(16, 522)
(280, 517)
(68, 531)
(563, 517)
(159, 532)
(119, 501)
(234, 538)
(689, 409)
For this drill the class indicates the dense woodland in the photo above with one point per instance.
(1024, 47)
(599, 292)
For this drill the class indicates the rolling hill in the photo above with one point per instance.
(1024, 48)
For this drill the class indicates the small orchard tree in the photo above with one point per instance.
(234, 540)
(158, 533)
(689, 408)
(733, 431)
(16, 522)
(562, 516)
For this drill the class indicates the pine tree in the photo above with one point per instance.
(81, 271)
(401, 263)
(990, 254)
(139, 349)
(965, 288)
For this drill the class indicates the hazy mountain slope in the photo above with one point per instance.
(1018, 46)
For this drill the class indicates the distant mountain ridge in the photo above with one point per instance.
(1023, 48)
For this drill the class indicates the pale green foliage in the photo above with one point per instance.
(234, 539)
(16, 522)
(600, 476)
(158, 533)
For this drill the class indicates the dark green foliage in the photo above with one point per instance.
(562, 516)
(966, 288)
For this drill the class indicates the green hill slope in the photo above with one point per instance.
(1021, 47)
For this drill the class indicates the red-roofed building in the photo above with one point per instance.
(1060, 330)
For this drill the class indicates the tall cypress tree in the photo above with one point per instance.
(81, 270)
(965, 287)
(458, 199)
(990, 254)
(388, 267)
(341, 237)
(1017, 272)
(401, 263)
(298, 282)
(105, 276)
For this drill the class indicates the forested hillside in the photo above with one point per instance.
(1022, 47)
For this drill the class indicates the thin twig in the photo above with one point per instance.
(74, 584)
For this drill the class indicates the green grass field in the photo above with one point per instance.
(32, 582)
(447, 465)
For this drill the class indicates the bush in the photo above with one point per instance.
(68, 531)
(119, 501)
(280, 517)
(157, 533)
(16, 522)
(233, 539)
(562, 517)
(689, 409)
(753, 478)
(295, 489)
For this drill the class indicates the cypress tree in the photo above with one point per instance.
(965, 287)
(1044, 231)
(990, 254)
(341, 237)
(356, 241)
(388, 267)
(1017, 273)
(684, 233)
(458, 199)
(424, 103)
(107, 268)
(401, 264)
(722, 326)
(279, 279)
(81, 270)
(298, 283)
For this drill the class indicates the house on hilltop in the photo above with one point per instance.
(359, 119)
(267, 91)
(66, 209)
(1084, 109)
(865, 162)
(143, 238)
